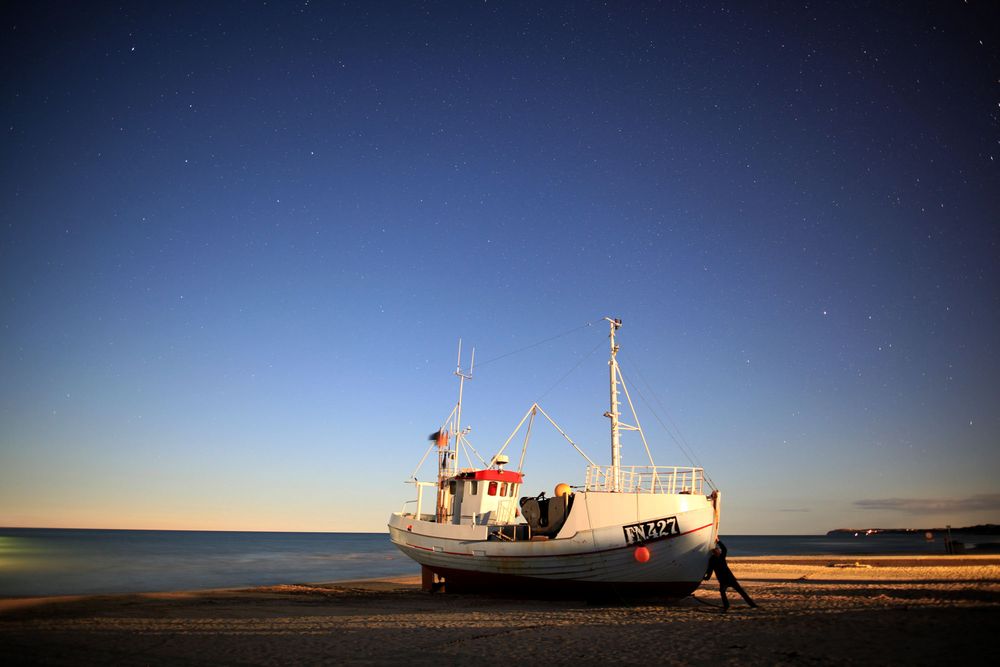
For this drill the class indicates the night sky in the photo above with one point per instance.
(239, 242)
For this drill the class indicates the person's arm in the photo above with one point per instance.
(724, 550)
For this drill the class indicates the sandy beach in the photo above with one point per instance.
(813, 610)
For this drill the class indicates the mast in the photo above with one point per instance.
(448, 441)
(462, 377)
(613, 413)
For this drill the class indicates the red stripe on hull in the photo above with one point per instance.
(464, 581)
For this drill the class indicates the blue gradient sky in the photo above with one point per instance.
(239, 243)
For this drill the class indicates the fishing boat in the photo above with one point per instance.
(636, 530)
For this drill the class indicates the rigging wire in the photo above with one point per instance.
(417, 469)
(570, 371)
(463, 442)
(536, 344)
(635, 415)
(678, 439)
(466, 446)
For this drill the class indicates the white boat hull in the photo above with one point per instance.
(595, 549)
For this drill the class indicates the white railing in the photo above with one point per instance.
(418, 501)
(503, 514)
(406, 511)
(646, 479)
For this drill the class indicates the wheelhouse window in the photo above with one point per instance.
(474, 487)
(492, 489)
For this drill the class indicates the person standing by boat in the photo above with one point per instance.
(717, 564)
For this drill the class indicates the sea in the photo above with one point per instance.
(48, 561)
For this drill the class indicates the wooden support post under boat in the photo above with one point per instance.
(429, 581)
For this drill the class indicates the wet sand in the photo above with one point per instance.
(813, 610)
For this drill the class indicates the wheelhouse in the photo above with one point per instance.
(484, 497)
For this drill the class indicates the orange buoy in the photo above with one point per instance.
(562, 489)
(642, 555)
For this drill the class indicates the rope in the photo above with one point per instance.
(704, 602)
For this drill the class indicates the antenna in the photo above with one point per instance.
(458, 364)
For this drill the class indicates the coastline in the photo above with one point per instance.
(816, 609)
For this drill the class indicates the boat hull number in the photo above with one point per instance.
(638, 533)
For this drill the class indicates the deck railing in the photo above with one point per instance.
(410, 509)
(646, 479)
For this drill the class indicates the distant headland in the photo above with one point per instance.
(983, 529)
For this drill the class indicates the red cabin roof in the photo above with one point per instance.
(493, 475)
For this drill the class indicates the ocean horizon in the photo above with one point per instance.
(78, 561)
